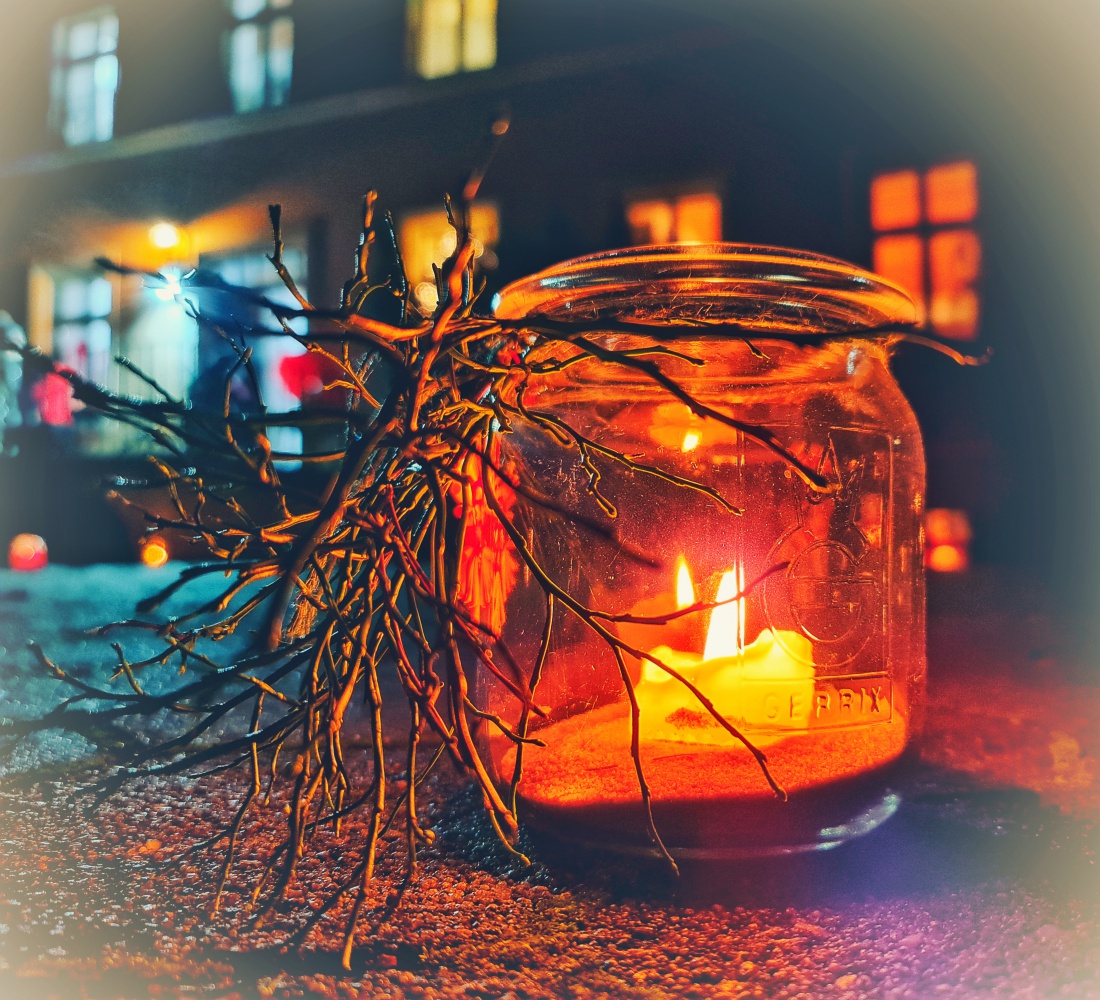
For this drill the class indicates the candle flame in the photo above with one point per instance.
(726, 633)
(691, 440)
(685, 589)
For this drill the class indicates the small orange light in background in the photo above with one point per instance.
(947, 535)
(27, 553)
(154, 553)
(947, 559)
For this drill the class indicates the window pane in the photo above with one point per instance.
(243, 10)
(97, 339)
(246, 68)
(280, 59)
(106, 82)
(437, 40)
(83, 39)
(72, 299)
(901, 259)
(479, 36)
(99, 297)
(951, 193)
(108, 33)
(954, 263)
(650, 222)
(699, 218)
(80, 104)
(895, 201)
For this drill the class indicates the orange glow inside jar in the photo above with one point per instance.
(751, 607)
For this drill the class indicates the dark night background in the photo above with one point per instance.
(786, 110)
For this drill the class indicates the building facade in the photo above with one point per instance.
(156, 136)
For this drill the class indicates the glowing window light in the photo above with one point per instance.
(451, 36)
(27, 553)
(650, 222)
(939, 268)
(80, 334)
(84, 77)
(895, 201)
(954, 264)
(686, 218)
(260, 54)
(947, 536)
(479, 34)
(951, 193)
(900, 258)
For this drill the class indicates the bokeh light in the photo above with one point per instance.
(27, 552)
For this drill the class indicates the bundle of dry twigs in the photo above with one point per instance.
(368, 574)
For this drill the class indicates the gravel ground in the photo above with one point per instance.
(984, 884)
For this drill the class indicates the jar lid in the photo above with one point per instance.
(757, 287)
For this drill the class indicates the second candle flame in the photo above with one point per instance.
(726, 634)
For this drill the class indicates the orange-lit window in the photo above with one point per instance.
(895, 201)
(951, 193)
(954, 264)
(901, 259)
(427, 238)
(687, 218)
(947, 536)
(939, 267)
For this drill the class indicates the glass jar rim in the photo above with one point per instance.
(759, 288)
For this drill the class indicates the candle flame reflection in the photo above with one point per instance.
(726, 634)
(685, 589)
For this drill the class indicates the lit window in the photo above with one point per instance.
(260, 53)
(427, 238)
(687, 218)
(450, 36)
(82, 325)
(947, 537)
(84, 77)
(900, 258)
(951, 193)
(939, 267)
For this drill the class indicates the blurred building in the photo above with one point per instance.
(156, 135)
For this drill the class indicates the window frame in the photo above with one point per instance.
(96, 96)
(272, 14)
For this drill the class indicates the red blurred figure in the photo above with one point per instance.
(53, 395)
(306, 375)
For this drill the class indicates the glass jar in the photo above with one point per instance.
(774, 566)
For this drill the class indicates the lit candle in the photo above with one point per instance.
(766, 685)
